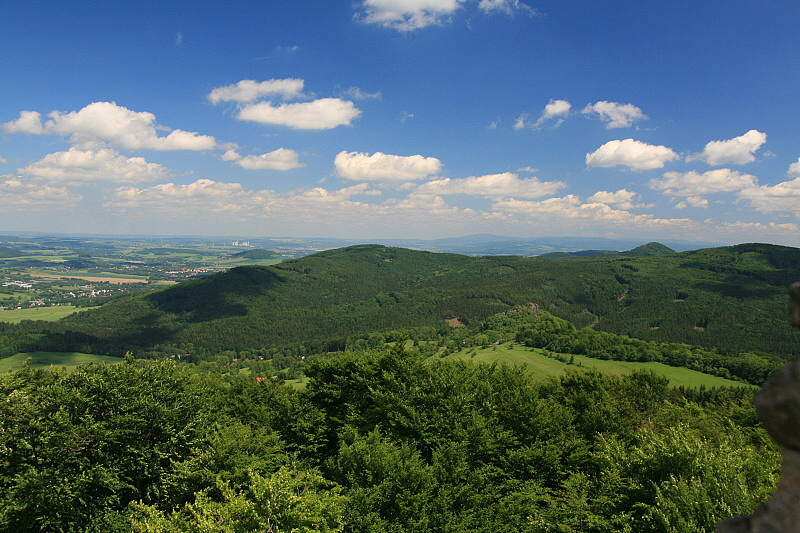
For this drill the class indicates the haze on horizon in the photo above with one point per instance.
(381, 119)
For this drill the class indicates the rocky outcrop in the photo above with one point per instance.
(778, 406)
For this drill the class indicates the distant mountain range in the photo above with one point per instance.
(473, 245)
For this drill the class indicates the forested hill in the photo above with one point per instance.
(732, 298)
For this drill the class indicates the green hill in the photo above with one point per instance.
(732, 298)
(651, 248)
(257, 254)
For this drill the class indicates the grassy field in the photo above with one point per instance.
(59, 359)
(239, 261)
(543, 366)
(111, 277)
(52, 313)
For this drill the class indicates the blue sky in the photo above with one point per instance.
(402, 118)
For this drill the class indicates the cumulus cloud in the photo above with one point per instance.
(407, 15)
(622, 198)
(492, 186)
(692, 201)
(280, 159)
(695, 184)
(113, 124)
(794, 170)
(20, 194)
(633, 154)
(759, 228)
(736, 151)
(28, 122)
(784, 196)
(571, 208)
(200, 194)
(380, 167)
(232, 199)
(614, 114)
(322, 114)
(554, 113)
(81, 166)
(566, 207)
(246, 91)
(410, 15)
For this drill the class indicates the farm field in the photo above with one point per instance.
(51, 313)
(110, 277)
(47, 359)
(544, 367)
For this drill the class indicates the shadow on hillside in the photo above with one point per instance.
(148, 331)
(220, 296)
(738, 287)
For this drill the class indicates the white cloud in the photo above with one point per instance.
(356, 166)
(736, 151)
(233, 200)
(280, 159)
(246, 91)
(201, 194)
(794, 170)
(509, 7)
(692, 201)
(28, 122)
(493, 186)
(555, 110)
(759, 228)
(635, 155)
(614, 114)
(318, 195)
(551, 206)
(3, 160)
(695, 184)
(623, 198)
(407, 15)
(410, 15)
(322, 114)
(20, 194)
(80, 166)
(784, 196)
(231, 155)
(570, 208)
(357, 94)
(108, 122)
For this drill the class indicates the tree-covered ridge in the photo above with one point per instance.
(377, 442)
(258, 253)
(725, 298)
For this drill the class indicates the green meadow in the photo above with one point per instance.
(87, 274)
(51, 313)
(542, 366)
(47, 359)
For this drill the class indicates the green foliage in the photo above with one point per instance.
(377, 442)
(287, 501)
